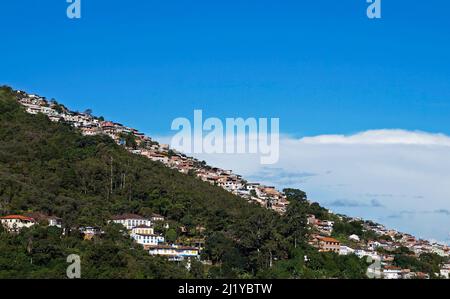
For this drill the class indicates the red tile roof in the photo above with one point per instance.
(20, 217)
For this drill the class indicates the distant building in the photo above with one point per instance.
(345, 250)
(54, 221)
(14, 223)
(156, 217)
(175, 252)
(325, 244)
(392, 272)
(43, 218)
(146, 237)
(354, 238)
(90, 231)
(445, 271)
(131, 220)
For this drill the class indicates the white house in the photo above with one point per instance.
(445, 271)
(14, 223)
(156, 217)
(363, 253)
(345, 250)
(175, 252)
(131, 220)
(354, 238)
(391, 272)
(54, 221)
(147, 239)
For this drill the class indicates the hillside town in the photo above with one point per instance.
(142, 230)
(140, 144)
(381, 250)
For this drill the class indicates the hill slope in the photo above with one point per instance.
(51, 168)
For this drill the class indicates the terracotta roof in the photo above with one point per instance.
(327, 239)
(20, 217)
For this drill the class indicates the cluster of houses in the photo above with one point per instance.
(89, 125)
(390, 241)
(139, 228)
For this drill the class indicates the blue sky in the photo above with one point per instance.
(321, 66)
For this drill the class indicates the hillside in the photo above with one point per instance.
(51, 168)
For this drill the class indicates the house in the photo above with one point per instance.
(311, 220)
(14, 223)
(392, 272)
(445, 271)
(131, 220)
(407, 274)
(325, 244)
(345, 250)
(438, 250)
(175, 252)
(90, 131)
(43, 218)
(145, 236)
(361, 253)
(54, 221)
(373, 245)
(143, 230)
(354, 238)
(90, 231)
(325, 227)
(156, 217)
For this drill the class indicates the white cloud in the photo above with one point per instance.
(382, 137)
(396, 169)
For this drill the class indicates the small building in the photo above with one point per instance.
(392, 272)
(54, 221)
(354, 238)
(325, 244)
(156, 217)
(45, 219)
(14, 223)
(345, 250)
(445, 271)
(131, 220)
(175, 252)
(90, 231)
(147, 240)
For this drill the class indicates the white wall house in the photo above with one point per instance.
(14, 223)
(345, 250)
(392, 273)
(445, 271)
(175, 252)
(54, 221)
(354, 238)
(147, 240)
(131, 220)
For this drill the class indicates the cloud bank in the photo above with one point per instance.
(372, 174)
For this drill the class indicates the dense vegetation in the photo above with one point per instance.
(51, 168)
